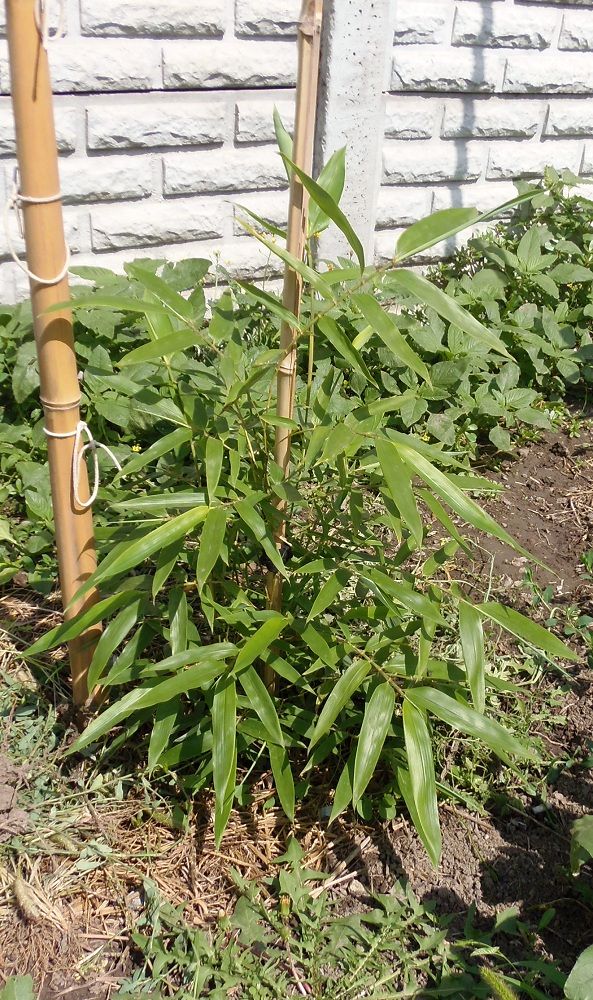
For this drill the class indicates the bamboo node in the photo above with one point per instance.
(78, 453)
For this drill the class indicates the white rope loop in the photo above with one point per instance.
(78, 455)
(42, 19)
(13, 203)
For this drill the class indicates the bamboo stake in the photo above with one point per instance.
(46, 256)
(304, 136)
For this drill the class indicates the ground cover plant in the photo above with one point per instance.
(377, 652)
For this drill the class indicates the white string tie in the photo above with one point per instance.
(14, 202)
(78, 455)
(42, 18)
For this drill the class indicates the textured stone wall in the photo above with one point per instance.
(482, 92)
(164, 116)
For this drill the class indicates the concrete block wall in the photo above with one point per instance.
(482, 92)
(164, 124)
(164, 116)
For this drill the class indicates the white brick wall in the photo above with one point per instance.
(164, 117)
(482, 92)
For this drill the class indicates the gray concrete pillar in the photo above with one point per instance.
(356, 56)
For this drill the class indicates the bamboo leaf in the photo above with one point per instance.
(338, 697)
(399, 483)
(422, 779)
(436, 227)
(224, 750)
(376, 723)
(284, 140)
(273, 304)
(161, 447)
(178, 620)
(343, 792)
(307, 273)
(472, 645)
(466, 720)
(517, 624)
(76, 626)
(165, 564)
(260, 642)
(403, 593)
(283, 778)
(266, 225)
(146, 697)
(163, 502)
(261, 703)
(434, 297)
(257, 526)
(384, 325)
(329, 207)
(338, 339)
(331, 179)
(463, 505)
(328, 593)
(181, 340)
(214, 459)
(164, 724)
(132, 555)
(112, 636)
(180, 307)
(211, 542)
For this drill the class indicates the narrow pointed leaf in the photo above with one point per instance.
(161, 447)
(211, 542)
(76, 626)
(435, 298)
(386, 328)
(472, 644)
(178, 620)
(259, 530)
(329, 207)
(422, 778)
(181, 340)
(524, 628)
(260, 642)
(283, 778)
(376, 724)
(273, 304)
(284, 140)
(343, 792)
(328, 593)
(331, 179)
(112, 636)
(165, 717)
(224, 751)
(468, 721)
(339, 697)
(436, 227)
(399, 483)
(261, 703)
(338, 339)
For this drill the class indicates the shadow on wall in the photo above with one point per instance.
(469, 104)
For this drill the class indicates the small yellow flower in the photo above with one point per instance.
(136, 447)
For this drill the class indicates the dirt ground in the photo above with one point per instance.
(67, 909)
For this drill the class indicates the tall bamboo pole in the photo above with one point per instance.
(46, 256)
(304, 136)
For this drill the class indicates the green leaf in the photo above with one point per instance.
(181, 308)
(272, 303)
(164, 724)
(132, 555)
(76, 626)
(339, 696)
(18, 988)
(178, 620)
(214, 459)
(403, 593)
(224, 751)
(211, 543)
(581, 844)
(448, 308)
(284, 140)
(147, 697)
(164, 347)
(260, 642)
(517, 624)
(463, 505)
(328, 593)
(329, 207)
(399, 483)
(114, 634)
(433, 229)
(261, 703)
(472, 645)
(161, 447)
(25, 372)
(579, 985)
(385, 327)
(422, 779)
(259, 530)
(165, 564)
(343, 792)
(307, 273)
(283, 778)
(466, 720)
(331, 179)
(163, 502)
(338, 339)
(376, 723)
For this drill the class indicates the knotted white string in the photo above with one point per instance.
(78, 454)
(14, 202)
(42, 14)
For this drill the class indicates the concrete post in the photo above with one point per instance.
(356, 55)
